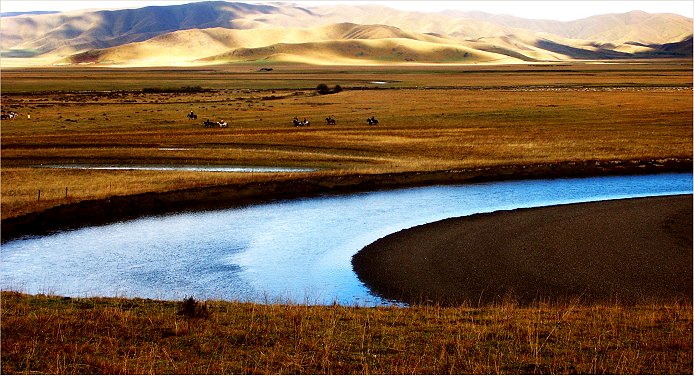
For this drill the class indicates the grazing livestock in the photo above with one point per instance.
(372, 121)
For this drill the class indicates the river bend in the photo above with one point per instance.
(289, 251)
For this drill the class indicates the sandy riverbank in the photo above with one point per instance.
(624, 251)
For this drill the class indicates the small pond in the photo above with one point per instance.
(288, 251)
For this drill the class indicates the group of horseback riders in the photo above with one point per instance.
(207, 123)
(330, 120)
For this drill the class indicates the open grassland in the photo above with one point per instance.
(432, 119)
(287, 76)
(47, 334)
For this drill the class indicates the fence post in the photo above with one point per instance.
(39, 197)
(65, 192)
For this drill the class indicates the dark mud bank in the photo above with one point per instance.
(119, 208)
(630, 251)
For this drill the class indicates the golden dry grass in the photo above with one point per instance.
(45, 334)
(466, 118)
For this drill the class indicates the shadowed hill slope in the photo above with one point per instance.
(100, 29)
(634, 26)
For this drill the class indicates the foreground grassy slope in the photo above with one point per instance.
(48, 334)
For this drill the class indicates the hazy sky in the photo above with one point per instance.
(557, 10)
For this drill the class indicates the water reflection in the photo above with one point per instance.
(298, 250)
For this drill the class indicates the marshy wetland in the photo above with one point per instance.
(439, 125)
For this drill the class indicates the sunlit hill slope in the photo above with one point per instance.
(333, 44)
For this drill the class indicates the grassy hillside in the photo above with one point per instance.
(372, 51)
(353, 44)
(183, 34)
(318, 45)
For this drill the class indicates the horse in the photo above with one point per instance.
(300, 123)
(8, 115)
(214, 124)
(330, 120)
(192, 116)
(372, 121)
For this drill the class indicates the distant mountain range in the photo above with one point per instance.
(219, 32)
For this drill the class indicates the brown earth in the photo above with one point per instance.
(620, 251)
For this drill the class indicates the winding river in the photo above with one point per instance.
(295, 251)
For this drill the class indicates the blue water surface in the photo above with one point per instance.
(295, 251)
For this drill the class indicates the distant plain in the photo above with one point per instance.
(431, 118)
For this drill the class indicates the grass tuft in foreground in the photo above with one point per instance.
(49, 334)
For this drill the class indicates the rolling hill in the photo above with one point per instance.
(634, 26)
(362, 51)
(343, 43)
(222, 32)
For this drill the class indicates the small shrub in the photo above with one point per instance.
(323, 89)
(191, 309)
